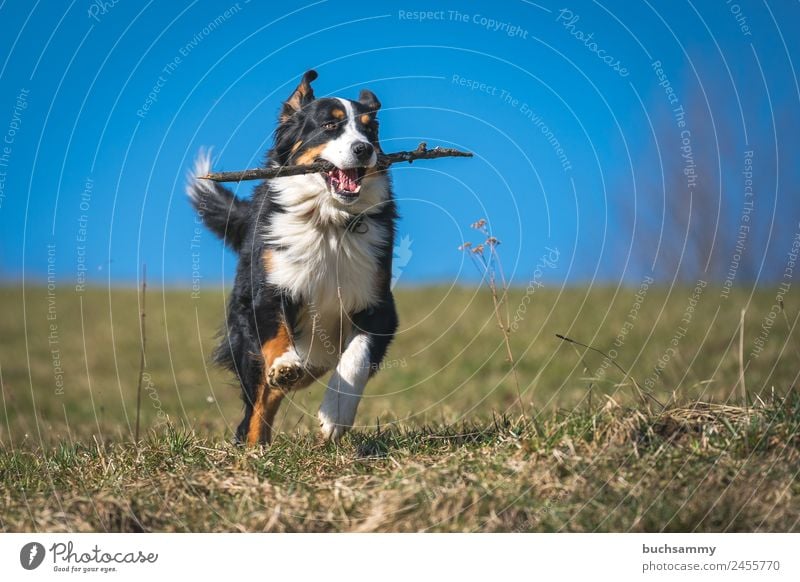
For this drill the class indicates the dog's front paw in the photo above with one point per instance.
(337, 414)
(284, 375)
(338, 411)
(331, 429)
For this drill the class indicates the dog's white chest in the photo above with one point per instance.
(325, 266)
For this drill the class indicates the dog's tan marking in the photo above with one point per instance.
(254, 430)
(301, 94)
(267, 399)
(310, 155)
(296, 146)
(365, 119)
(337, 113)
(273, 403)
(276, 346)
(266, 260)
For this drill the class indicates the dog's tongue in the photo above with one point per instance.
(345, 180)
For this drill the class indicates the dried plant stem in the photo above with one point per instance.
(505, 328)
(741, 358)
(642, 394)
(488, 268)
(142, 352)
(499, 264)
(384, 161)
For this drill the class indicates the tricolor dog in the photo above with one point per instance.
(312, 290)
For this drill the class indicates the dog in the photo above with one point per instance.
(312, 289)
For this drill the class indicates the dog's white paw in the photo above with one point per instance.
(330, 429)
(337, 414)
(338, 410)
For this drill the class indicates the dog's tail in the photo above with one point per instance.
(220, 210)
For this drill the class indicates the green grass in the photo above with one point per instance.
(441, 444)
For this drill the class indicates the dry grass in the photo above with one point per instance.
(701, 467)
(440, 447)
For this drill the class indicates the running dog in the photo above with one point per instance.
(312, 290)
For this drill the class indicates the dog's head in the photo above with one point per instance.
(340, 131)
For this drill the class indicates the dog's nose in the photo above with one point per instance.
(363, 150)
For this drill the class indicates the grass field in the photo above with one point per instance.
(442, 443)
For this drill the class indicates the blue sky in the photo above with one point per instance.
(106, 107)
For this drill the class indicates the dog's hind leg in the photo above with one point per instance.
(257, 426)
(373, 331)
(239, 352)
(254, 340)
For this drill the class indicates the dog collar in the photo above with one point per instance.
(357, 225)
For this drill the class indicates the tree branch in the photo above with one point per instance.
(384, 161)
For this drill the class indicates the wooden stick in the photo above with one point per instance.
(384, 161)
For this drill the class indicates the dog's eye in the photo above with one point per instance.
(329, 126)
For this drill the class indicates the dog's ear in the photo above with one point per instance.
(302, 96)
(368, 98)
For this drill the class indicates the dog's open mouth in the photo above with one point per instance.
(346, 184)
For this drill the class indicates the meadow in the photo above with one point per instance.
(447, 438)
